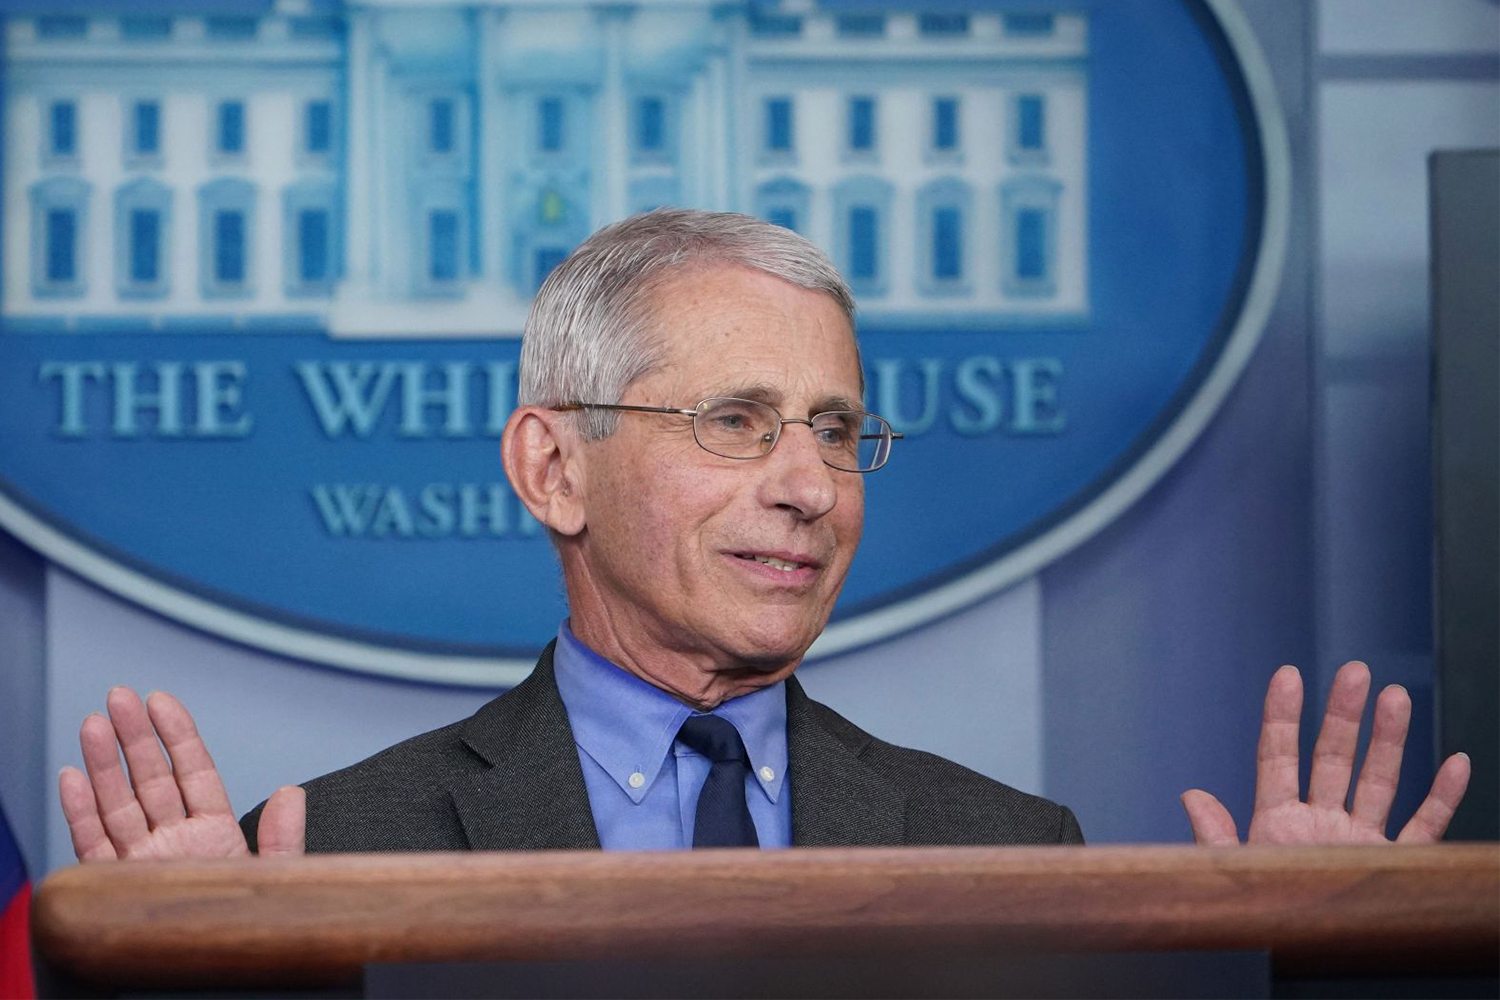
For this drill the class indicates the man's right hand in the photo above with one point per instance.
(163, 809)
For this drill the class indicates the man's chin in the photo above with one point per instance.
(771, 650)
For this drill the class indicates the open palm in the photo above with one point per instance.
(162, 809)
(1281, 815)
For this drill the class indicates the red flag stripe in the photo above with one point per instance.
(16, 982)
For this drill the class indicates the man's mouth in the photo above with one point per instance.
(786, 565)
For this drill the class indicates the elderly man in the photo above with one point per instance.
(691, 434)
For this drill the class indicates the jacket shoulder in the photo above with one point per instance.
(948, 804)
(394, 800)
(474, 784)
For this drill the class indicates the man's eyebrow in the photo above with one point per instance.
(835, 403)
(763, 392)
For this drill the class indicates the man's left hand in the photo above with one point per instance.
(1282, 817)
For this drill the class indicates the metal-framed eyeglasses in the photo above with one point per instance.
(848, 440)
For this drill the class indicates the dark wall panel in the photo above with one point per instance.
(1465, 189)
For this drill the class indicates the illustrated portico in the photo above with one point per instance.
(391, 168)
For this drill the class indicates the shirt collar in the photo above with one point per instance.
(627, 726)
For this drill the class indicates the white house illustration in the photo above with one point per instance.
(383, 168)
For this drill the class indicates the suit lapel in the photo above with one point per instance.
(532, 796)
(837, 799)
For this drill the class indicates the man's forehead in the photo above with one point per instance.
(739, 331)
(816, 377)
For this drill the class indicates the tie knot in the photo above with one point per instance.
(714, 738)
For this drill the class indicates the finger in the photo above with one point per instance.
(202, 789)
(90, 842)
(1276, 781)
(1381, 772)
(124, 821)
(1211, 822)
(1432, 816)
(150, 774)
(283, 823)
(1338, 739)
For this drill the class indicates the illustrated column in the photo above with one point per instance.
(359, 136)
(488, 112)
(613, 110)
(717, 109)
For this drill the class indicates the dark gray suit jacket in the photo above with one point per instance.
(508, 778)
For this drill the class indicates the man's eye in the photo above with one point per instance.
(731, 421)
(834, 435)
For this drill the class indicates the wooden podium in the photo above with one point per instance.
(320, 922)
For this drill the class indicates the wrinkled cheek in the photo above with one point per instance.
(854, 523)
(670, 552)
(635, 536)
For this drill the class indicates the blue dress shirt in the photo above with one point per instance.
(642, 783)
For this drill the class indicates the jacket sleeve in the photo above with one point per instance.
(1068, 832)
(250, 826)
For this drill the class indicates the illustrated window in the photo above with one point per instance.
(778, 135)
(143, 214)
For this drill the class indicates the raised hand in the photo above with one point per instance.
(1282, 817)
(163, 809)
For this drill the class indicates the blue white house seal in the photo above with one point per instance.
(264, 269)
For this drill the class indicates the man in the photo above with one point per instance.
(690, 433)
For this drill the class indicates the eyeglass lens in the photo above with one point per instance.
(743, 428)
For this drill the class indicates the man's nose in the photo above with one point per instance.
(796, 478)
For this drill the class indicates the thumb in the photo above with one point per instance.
(1211, 822)
(283, 823)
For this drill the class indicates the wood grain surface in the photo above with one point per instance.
(319, 920)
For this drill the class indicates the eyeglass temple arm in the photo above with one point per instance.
(565, 407)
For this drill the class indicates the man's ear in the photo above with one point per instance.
(543, 459)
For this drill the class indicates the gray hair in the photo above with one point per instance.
(589, 332)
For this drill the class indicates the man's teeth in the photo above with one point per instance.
(781, 564)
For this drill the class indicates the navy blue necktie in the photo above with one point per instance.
(723, 817)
